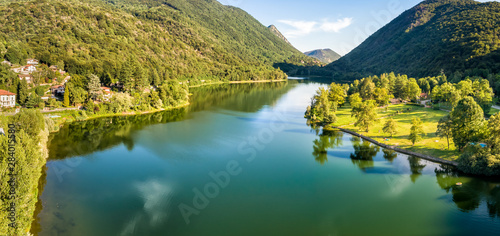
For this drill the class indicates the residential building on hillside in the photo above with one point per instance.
(7, 99)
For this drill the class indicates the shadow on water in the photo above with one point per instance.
(468, 197)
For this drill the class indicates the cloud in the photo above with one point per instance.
(336, 26)
(302, 28)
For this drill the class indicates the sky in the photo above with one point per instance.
(317, 24)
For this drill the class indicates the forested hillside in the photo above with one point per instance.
(141, 42)
(434, 36)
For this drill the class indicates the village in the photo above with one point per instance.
(49, 82)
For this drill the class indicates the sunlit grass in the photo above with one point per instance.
(430, 145)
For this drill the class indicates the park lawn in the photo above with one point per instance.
(493, 111)
(427, 145)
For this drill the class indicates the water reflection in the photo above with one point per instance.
(364, 152)
(327, 139)
(470, 196)
(472, 193)
(83, 138)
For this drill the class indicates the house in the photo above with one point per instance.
(17, 69)
(57, 90)
(32, 62)
(55, 69)
(424, 96)
(28, 78)
(106, 93)
(7, 99)
(28, 69)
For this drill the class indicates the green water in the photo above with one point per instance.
(274, 175)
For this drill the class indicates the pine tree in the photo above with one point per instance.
(66, 95)
(22, 92)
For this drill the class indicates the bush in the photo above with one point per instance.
(479, 161)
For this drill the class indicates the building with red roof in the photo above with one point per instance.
(7, 99)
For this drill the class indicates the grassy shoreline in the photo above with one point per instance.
(430, 145)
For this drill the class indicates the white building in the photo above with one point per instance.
(32, 62)
(28, 69)
(7, 99)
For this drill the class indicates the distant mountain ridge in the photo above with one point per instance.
(433, 36)
(324, 55)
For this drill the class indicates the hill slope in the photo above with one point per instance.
(278, 33)
(435, 35)
(153, 40)
(324, 55)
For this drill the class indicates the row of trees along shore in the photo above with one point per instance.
(469, 101)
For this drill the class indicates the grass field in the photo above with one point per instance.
(430, 145)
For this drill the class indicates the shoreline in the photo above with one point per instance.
(162, 109)
(403, 151)
(239, 82)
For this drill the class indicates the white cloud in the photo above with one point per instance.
(336, 26)
(301, 28)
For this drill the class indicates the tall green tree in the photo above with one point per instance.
(365, 114)
(337, 94)
(444, 129)
(22, 92)
(390, 127)
(67, 91)
(467, 122)
(411, 90)
(416, 130)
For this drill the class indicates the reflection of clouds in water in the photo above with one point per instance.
(156, 196)
(397, 184)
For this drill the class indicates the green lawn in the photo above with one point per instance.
(430, 145)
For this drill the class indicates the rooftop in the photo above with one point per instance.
(4, 92)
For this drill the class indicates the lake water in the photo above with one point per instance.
(241, 160)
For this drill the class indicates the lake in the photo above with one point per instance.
(241, 160)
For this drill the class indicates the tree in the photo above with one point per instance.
(467, 120)
(77, 95)
(382, 96)
(122, 102)
(66, 95)
(367, 87)
(494, 133)
(390, 127)
(411, 90)
(337, 94)
(94, 86)
(322, 109)
(22, 92)
(483, 94)
(416, 130)
(444, 129)
(365, 114)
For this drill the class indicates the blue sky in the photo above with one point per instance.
(314, 24)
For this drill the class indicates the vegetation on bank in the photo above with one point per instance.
(19, 181)
(449, 35)
(465, 129)
(142, 43)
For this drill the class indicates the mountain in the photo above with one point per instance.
(278, 33)
(434, 36)
(324, 55)
(137, 40)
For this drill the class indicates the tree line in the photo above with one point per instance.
(469, 101)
